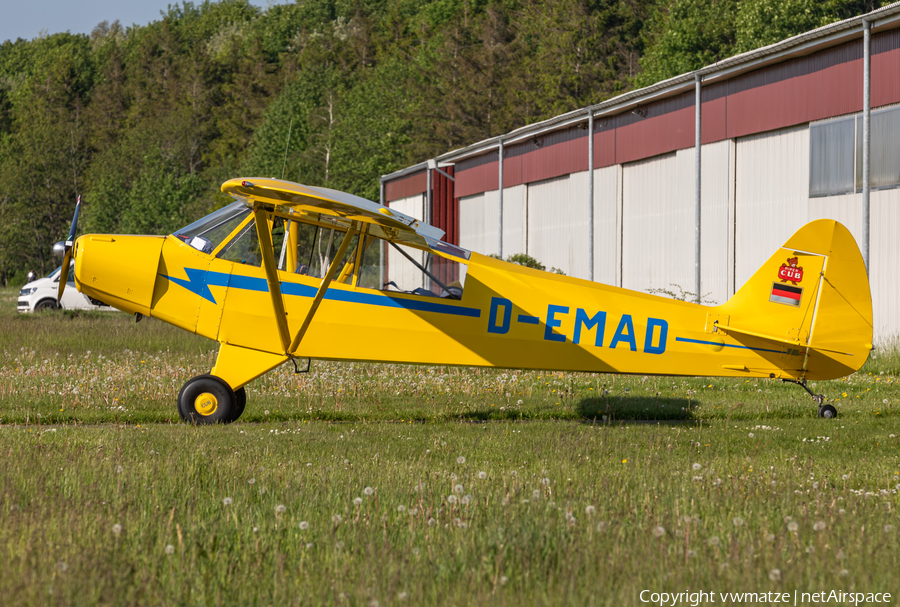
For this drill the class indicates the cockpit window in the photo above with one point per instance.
(389, 266)
(243, 248)
(207, 233)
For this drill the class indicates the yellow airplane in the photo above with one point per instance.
(289, 271)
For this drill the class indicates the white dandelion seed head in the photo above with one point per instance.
(280, 508)
(691, 554)
(251, 481)
(117, 528)
(401, 508)
(843, 573)
(738, 521)
(256, 530)
(368, 491)
(713, 541)
(402, 596)
(357, 501)
(427, 451)
(775, 575)
(451, 499)
(170, 549)
(339, 545)
(62, 566)
(536, 494)
(770, 537)
(659, 531)
(304, 525)
(842, 511)
(503, 580)
(431, 522)
(888, 528)
(697, 479)
(416, 551)
(119, 469)
(514, 473)
(413, 511)
(589, 510)
(482, 475)
(504, 501)
(792, 527)
(845, 477)
(819, 526)
(458, 489)
(885, 401)
(545, 481)
(601, 526)
(751, 435)
(227, 501)
(336, 519)
(460, 460)
(696, 466)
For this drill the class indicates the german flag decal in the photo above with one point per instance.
(786, 294)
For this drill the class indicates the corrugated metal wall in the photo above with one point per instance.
(607, 190)
(407, 186)
(514, 201)
(558, 223)
(771, 195)
(715, 221)
(884, 252)
(477, 174)
(479, 222)
(658, 223)
(550, 155)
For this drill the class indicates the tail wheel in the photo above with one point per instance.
(827, 411)
(206, 399)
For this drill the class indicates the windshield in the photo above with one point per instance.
(205, 234)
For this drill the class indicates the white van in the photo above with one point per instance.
(40, 295)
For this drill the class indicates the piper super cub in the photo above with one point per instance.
(291, 271)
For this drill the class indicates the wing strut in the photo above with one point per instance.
(265, 244)
(320, 294)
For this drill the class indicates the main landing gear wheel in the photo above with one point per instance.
(240, 401)
(206, 399)
(827, 411)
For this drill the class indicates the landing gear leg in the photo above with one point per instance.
(825, 411)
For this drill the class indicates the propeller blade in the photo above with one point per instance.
(67, 258)
(64, 275)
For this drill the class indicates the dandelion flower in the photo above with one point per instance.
(589, 510)
(713, 541)
(170, 549)
(843, 573)
(251, 481)
(888, 528)
(304, 525)
(504, 501)
(309, 546)
(601, 526)
(117, 528)
(536, 494)
(458, 489)
(514, 473)
(357, 501)
(659, 531)
(545, 481)
(280, 508)
(119, 469)
(792, 527)
(770, 537)
(227, 501)
(401, 508)
(751, 435)
(413, 511)
(691, 554)
(465, 499)
(775, 575)
(696, 466)
(842, 511)
(503, 580)
(451, 499)
(460, 460)
(431, 522)
(339, 545)
(63, 566)
(368, 491)
(738, 521)
(819, 526)
(845, 476)
(402, 596)
(482, 475)
(336, 519)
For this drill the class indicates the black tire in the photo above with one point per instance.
(206, 399)
(827, 412)
(240, 401)
(46, 304)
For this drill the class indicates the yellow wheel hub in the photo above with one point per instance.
(206, 404)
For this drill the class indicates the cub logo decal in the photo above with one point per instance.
(790, 271)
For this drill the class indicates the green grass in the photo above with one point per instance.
(595, 487)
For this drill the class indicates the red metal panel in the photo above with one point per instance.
(477, 175)
(825, 84)
(713, 113)
(403, 187)
(604, 143)
(547, 156)
(667, 126)
(886, 68)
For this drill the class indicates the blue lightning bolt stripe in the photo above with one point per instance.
(199, 281)
(715, 343)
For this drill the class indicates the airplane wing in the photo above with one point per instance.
(383, 222)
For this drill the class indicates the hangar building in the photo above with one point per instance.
(693, 182)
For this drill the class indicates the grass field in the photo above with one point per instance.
(360, 484)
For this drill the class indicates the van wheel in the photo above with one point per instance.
(46, 304)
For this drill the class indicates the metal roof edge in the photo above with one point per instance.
(829, 35)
